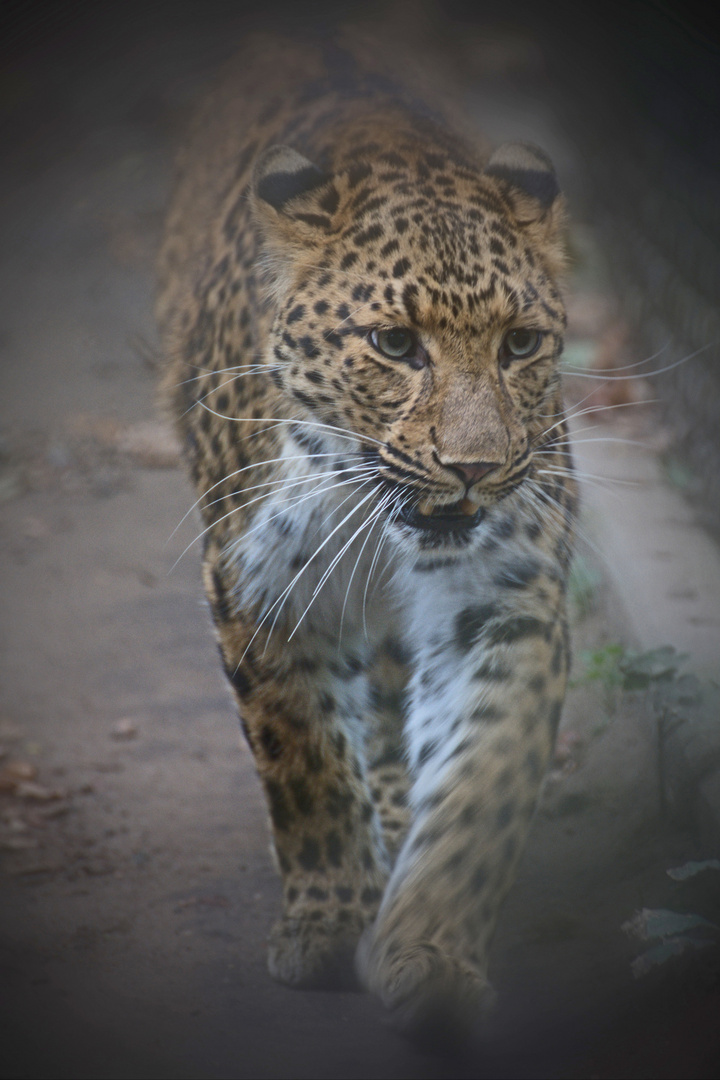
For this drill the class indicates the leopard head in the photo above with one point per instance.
(417, 310)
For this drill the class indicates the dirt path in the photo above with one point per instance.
(137, 886)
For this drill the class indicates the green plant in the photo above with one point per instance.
(583, 585)
(602, 666)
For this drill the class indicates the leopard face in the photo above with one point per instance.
(417, 311)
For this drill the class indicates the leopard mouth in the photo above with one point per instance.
(457, 517)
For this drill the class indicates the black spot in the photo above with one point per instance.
(454, 862)
(401, 268)
(317, 220)
(426, 751)
(221, 608)
(326, 703)
(313, 759)
(409, 295)
(349, 260)
(309, 857)
(282, 816)
(370, 896)
(397, 652)
(517, 575)
(240, 681)
(374, 232)
(316, 377)
(344, 894)
(270, 743)
(317, 894)
(309, 347)
(302, 795)
(470, 623)
(554, 717)
(321, 307)
(297, 313)
(361, 293)
(308, 441)
(390, 157)
(389, 248)
(306, 399)
(338, 802)
(358, 173)
(492, 672)
(485, 713)
(516, 629)
(334, 848)
(329, 201)
(505, 528)
(558, 659)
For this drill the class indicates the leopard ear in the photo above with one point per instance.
(288, 187)
(529, 177)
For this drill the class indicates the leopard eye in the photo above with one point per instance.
(397, 343)
(520, 343)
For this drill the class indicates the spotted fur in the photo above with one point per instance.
(386, 535)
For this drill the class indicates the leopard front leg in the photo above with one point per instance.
(299, 702)
(486, 700)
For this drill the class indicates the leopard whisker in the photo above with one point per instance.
(237, 472)
(279, 603)
(572, 369)
(294, 501)
(369, 521)
(339, 432)
(377, 516)
(385, 532)
(256, 366)
(650, 374)
(585, 476)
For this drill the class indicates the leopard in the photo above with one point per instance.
(362, 316)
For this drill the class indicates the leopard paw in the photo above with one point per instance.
(430, 995)
(316, 952)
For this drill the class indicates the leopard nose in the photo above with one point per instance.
(472, 471)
